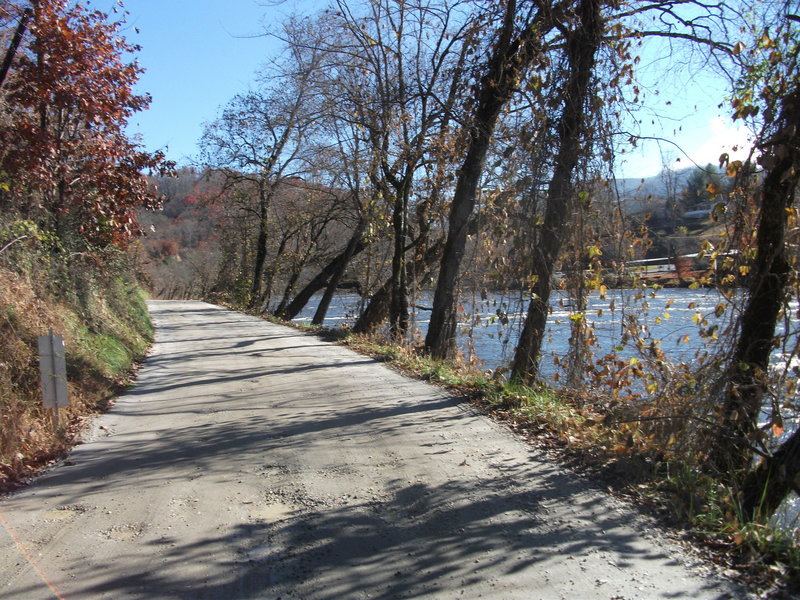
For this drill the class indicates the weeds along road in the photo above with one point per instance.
(254, 461)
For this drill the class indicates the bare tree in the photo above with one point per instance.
(518, 45)
(261, 139)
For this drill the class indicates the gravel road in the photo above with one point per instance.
(253, 461)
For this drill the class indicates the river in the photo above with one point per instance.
(489, 337)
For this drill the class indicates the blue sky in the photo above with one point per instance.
(200, 53)
(197, 54)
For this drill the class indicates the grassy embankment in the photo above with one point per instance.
(97, 305)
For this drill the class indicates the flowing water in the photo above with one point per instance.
(490, 325)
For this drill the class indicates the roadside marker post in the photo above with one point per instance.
(53, 372)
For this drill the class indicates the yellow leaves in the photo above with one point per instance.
(603, 291)
(712, 189)
(744, 270)
(743, 108)
(733, 168)
(594, 251)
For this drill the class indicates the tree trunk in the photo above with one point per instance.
(765, 487)
(398, 307)
(15, 41)
(261, 248)
(582, 47)
(321, 279)
(378, 308)
(510, 58)
(324, 304)
(750, 362)
(288, 290)
(269, 279)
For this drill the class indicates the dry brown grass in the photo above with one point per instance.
(29, 440)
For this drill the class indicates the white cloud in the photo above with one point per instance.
(699, 139)
(722, 136)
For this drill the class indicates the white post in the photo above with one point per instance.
(53, 371)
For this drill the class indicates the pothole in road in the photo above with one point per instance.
(276, 511)
(122, 532)
(63, 513)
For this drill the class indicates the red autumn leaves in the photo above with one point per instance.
(66, 156)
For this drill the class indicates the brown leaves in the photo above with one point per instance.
(69, 100)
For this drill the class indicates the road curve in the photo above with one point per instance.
(253, 461)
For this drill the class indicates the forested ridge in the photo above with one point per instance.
(460, 148)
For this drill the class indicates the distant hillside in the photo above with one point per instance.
(640, 195)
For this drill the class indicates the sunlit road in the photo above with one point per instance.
(253, 461)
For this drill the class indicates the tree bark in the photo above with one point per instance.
(15, 42)
(510, 58)
(766, 486)
(321, 279)
(582, 46)
(750, 362)
(377, 310)
(264, 197)
(398, 306)
(288, 290)
(325, 302)
(269, 279)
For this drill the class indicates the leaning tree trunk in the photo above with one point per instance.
(321, 280)
(749, 364)
(325, 302)
(765, 487)
(377, 310)
(582, 47)
(510, 58)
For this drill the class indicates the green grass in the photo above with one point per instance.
(541, 405)
(104, 338)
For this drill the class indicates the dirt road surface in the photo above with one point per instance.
(253, 461)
